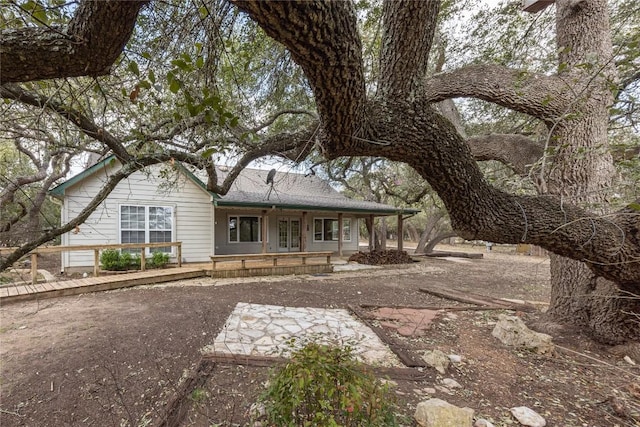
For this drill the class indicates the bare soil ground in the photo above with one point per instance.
(116, 358)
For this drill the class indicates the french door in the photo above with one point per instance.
(288, 234)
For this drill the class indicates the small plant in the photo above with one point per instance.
(159, 260)
(324, 385)
(198, 395)
(114, 260)
(110, 259)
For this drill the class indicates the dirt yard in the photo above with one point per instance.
(116, 358)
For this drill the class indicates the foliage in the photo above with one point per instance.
(159, 260)
(114, 260)
(323, 385)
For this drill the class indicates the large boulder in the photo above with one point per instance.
(438, 413)
(512, 331)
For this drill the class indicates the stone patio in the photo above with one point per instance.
(271, 330)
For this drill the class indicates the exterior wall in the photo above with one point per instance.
(224, 247)
(192, 213)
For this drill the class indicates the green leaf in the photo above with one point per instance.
(175, 86)
(152, 77)
(200, 62)
(181, 64)
(634, 206)
(133, 67)
(144, 84)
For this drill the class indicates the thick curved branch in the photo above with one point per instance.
(543, 97)
(321, 36)
(516, 151)
(409, 29)
(88, 46)
(84, 123)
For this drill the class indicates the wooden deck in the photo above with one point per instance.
(28, 292)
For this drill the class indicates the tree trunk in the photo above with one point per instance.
(383, 233)
(582, 172)
(592, 304)
(412, 232)
(428, 230)
(437, 239)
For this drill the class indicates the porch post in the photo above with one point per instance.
(265, 226)
(400, 232)
(340, 234)
(303, 233)
(372, 234)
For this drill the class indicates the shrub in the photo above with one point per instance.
(159, 260)
(110, 259)
(324, 385)
(114, 260)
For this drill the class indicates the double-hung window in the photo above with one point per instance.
(147, 224)
(245, 229)
(327, 229)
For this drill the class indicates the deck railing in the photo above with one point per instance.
(96, 253)
(272, 256)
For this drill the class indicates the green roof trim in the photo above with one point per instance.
(262, 205)
(60, 189)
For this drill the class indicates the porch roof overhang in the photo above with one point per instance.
(347, 206)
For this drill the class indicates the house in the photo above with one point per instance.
(166, 203)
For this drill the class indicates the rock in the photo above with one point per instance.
(528, 417)
(438, 413)
(512, 331)
(443, 389)
(451, 383)
(629, 360)
(454, 358)
(257, 411)
(437, 360)
(481, 422)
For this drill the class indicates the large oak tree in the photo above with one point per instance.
(596, 266)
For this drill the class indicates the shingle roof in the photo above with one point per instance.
(293, 191)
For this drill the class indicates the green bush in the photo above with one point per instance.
(326, 386)
(110, 259)
(159, 260)
(114, 260)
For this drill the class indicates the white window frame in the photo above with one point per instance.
(147, 230)
(237, 218)
(341, 232)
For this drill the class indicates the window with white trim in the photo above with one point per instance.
(245, 229)
(326, 229)
(147, 224)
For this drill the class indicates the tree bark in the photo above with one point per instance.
(88, 46)
(582, 171)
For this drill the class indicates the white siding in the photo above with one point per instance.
(193, 213)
